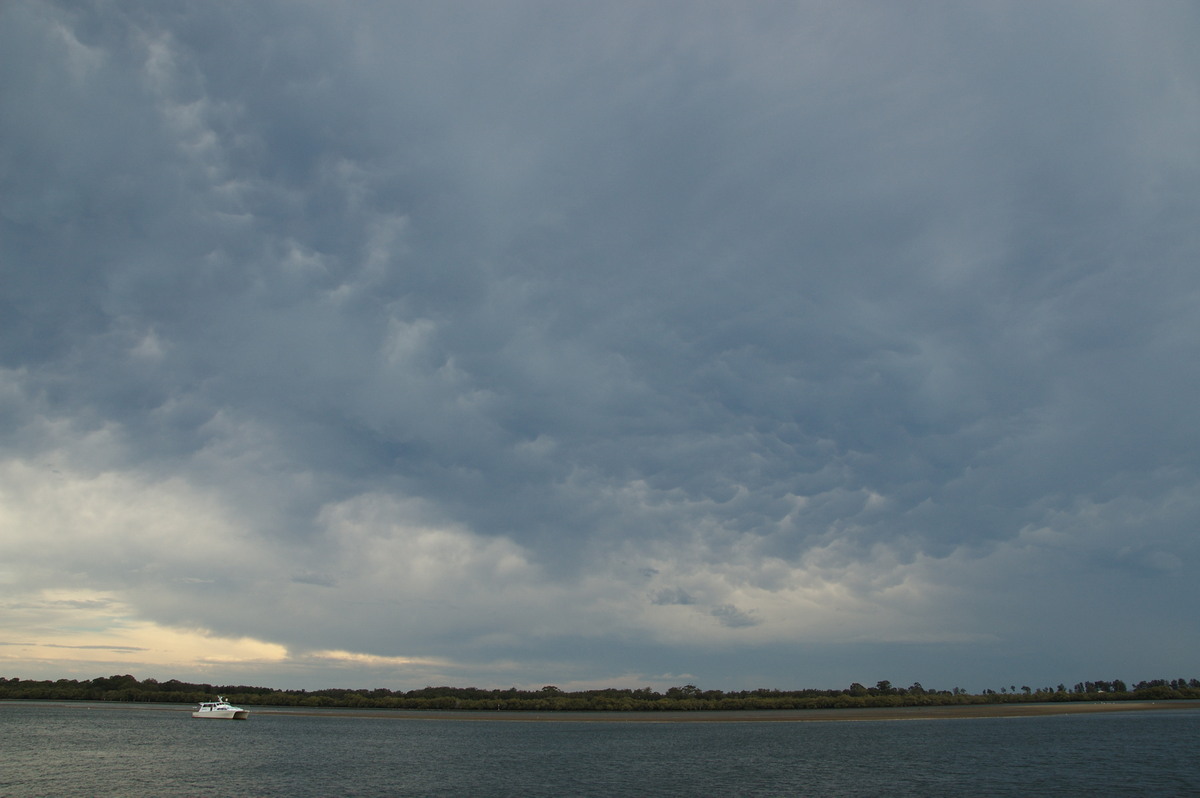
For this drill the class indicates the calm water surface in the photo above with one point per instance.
(122, 750)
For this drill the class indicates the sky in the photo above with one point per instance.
(619, 344)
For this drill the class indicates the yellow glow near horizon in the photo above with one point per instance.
(73, 633)
(374, 660)
(70, 629)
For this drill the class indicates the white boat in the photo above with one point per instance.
(220, 709)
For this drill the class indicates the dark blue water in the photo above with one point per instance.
(57, 750)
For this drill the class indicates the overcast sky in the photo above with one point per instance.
(600, 344)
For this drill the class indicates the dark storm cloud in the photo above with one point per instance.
(746, 317)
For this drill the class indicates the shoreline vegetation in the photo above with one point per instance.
(677, 702)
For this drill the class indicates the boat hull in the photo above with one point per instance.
(220, 709)
(224, 714)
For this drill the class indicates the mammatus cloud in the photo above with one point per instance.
(597, 345)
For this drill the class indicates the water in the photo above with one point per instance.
(123, 750)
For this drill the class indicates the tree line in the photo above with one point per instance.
(550, 698)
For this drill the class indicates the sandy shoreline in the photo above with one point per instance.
(756, 716)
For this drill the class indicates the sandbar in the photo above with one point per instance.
(753, 716)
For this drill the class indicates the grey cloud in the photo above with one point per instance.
(731, 616)
(673, 596)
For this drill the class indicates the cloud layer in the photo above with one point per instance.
(528, 343)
